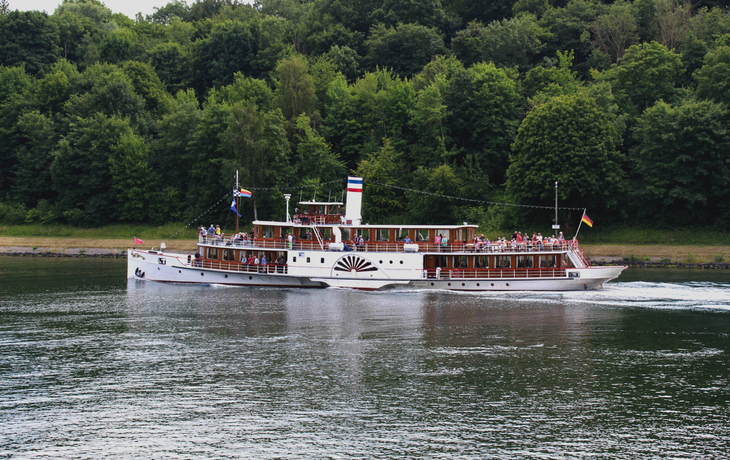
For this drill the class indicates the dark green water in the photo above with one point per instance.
(93, 366)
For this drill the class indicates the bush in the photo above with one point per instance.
(13, 214)
(718, 258)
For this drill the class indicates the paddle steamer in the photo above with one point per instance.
(332, 248)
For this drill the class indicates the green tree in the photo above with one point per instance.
(296, 94)
(616, 30)
(106, 89)
(380, 171)
(32, 181)
(713, 79)
(509, 42)
(29, 38)
(568, 139)
(16, 99)
(435, 208)
(682, 164)
(644, 75)
(172, 64)
(132, 178)
(81, 170)
(428, 122)
(484, 107)
(405, 48)
(119, 46)
(315, 159)
(173, 154)
(258, 148)
(230, 48)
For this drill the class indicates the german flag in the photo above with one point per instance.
(587, 220)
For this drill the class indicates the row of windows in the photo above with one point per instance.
(546, 261)
(368, 234)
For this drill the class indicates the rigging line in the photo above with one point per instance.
(201, 215)
(302, 187)
(472, 200)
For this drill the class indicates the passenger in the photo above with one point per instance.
(290, 240)
(217, 230)
(438, 242)
(519, 237)
(360, 243)
(408, 240)
(197, 258)
(211, 230)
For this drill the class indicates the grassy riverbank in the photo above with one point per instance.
(688, 246)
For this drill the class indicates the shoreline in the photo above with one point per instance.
(642, 256)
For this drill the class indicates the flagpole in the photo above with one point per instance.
(238, 206)
(580, 223)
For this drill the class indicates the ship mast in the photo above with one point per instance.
(238, 206)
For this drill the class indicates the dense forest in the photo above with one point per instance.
(105, 119)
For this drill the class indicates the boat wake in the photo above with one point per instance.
(639, 294)
(697, 295)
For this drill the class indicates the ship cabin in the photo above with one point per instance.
(318, 226)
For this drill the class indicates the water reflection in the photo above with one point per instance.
(100, 367)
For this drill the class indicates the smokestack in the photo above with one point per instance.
(353, 205)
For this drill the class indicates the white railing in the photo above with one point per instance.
(384, 246)
(493, 273)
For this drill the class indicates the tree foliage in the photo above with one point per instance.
(109, 119)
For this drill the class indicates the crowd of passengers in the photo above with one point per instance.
(518, 241)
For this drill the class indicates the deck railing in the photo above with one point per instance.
(472, 273)
(384, 246)
(271, 269)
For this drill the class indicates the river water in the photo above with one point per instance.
(93, 366)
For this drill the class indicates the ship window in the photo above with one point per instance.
(520, 261)
(444, 234)
(551, 261)
(307, 259)
(212, 254)
(402, 234)
(321, 260)
(502, 262)
(481, 262)
(382, 234)
(345, 234)
(543, 261)
(294, 259)
(267, 232)
(365, 233)
(228, 255)
(421, 235)
(528, 262)
(460, 262)
(161, 261)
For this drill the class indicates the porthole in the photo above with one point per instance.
(380, 261)
(401, 262)
(226, 276)
(492, 284)
(477, 284)
(158, 268)
(391, 262)
(463, 284)
(179, 271)
(307, 259)
(431, 284)
(321, 260)
(250, 277)
(507, 284)
(449, 284)
(295, 259)
(202, 274)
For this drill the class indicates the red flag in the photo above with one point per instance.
(138, 241)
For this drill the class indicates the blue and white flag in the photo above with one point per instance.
(233, 207)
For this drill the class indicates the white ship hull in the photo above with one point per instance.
(409, 274)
